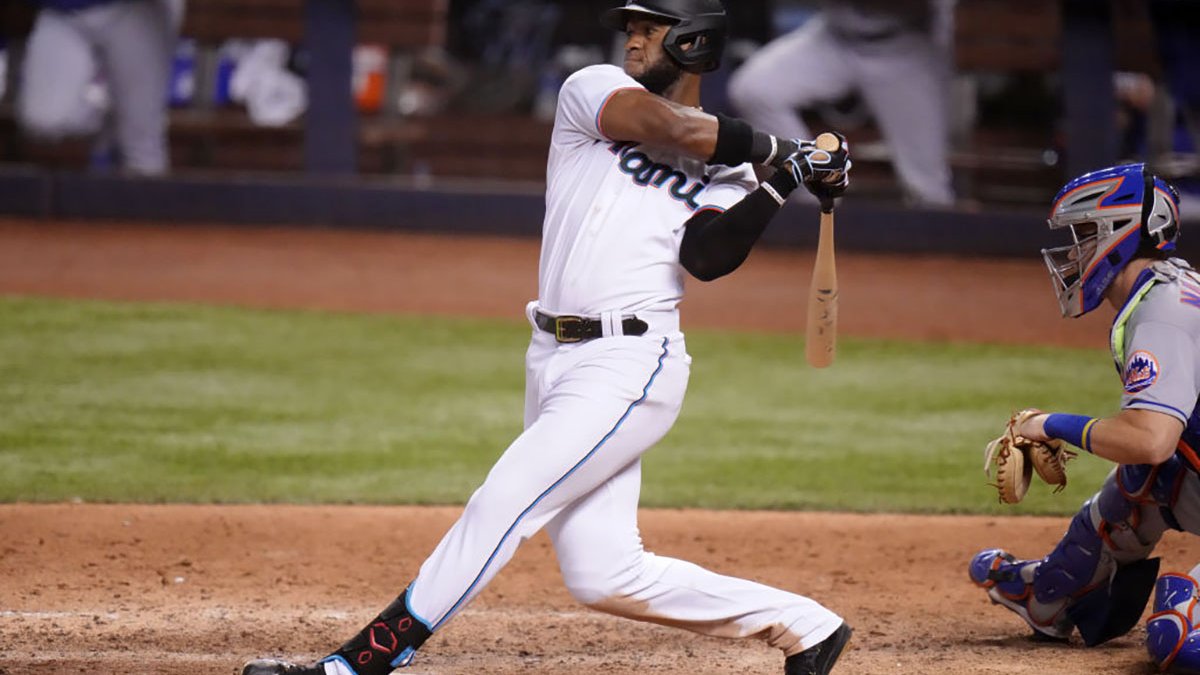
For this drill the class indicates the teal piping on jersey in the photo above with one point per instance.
(645, 393)
(607, 100)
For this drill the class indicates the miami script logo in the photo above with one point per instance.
(648, 173)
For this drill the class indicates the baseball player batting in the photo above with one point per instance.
(1123, 223)
(642, 186)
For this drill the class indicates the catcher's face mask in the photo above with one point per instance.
(1109, 214)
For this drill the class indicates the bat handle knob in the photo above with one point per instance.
(828, 142)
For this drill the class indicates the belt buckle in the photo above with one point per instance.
(560, 322)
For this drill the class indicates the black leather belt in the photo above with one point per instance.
(568, 328)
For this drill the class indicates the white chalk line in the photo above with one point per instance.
(332, 614)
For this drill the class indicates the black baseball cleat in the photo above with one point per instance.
(276, 667)
(819, 660)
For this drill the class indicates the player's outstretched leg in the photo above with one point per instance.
(388, 642)
(605, 567)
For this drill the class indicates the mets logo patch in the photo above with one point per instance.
(1141, 371)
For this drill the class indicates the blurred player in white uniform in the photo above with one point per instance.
(101, 68)
(642, 187)
(893, 54)
(1123, 224)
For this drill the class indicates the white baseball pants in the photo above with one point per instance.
(592, 409)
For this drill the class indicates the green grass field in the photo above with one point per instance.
(187, 403)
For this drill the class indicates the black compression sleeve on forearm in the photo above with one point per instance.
(735, 140)
(783, 182)
(738, 143)
(715, 244)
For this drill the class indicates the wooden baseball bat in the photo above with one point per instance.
(821, 326)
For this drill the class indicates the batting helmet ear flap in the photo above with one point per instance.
(696, 39)
(697, 44)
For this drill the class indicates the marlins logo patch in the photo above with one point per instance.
(1140, 372)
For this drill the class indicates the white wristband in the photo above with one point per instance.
(774, 150)
(771, 191)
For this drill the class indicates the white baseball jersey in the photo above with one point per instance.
(615, 212)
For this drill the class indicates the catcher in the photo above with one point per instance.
(1124, 223)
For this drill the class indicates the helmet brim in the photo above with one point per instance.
(618, 18)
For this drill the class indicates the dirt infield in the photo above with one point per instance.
(181, 590)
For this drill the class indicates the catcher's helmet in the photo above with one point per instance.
(1113, 214)
(700, 23)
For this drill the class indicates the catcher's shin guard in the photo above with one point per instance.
(1099, 568)
(1072, 565)
(1170, 639)
(387, 643)
(1009, 583)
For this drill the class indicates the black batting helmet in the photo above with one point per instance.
(700, 23)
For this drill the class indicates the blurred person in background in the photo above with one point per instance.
(101, 68)
(893, 54)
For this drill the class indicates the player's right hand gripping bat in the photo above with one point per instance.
(821, 326)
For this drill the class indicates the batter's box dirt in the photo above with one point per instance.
(180, 590)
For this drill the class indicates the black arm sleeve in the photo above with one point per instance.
(715, 244)
(738, 142)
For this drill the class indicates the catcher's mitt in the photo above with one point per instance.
(1017, 458)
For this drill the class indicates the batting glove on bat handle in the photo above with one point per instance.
(831, 169)
(830, 187)
(824, 173)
